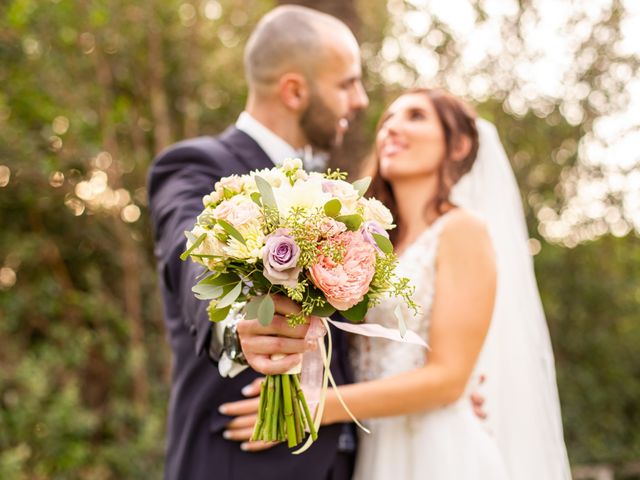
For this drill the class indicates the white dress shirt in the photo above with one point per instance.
(276, 148)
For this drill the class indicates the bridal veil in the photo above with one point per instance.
(520, 388)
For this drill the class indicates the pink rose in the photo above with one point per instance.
(345, 284)
(233, 183)
(331, 228)
(237, 210)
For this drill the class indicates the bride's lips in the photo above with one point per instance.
(391, 148)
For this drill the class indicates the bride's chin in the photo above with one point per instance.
(387, 171)
(392, 175)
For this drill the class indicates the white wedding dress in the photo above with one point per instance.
(449, 443)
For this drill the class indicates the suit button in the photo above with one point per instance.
(192, 330)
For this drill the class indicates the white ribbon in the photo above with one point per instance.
(375, 330)
(366, 329)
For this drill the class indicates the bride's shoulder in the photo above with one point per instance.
(464, 232)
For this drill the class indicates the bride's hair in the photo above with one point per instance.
(458, 120)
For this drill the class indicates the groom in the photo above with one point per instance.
(304, 76)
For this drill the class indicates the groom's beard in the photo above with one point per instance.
(319, 124)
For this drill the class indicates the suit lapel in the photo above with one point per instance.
(245, 149)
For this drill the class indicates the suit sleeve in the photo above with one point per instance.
(178, 180)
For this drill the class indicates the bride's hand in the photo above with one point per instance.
(245, 412)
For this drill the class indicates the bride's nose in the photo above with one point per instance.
(392, 125)
(390, 128)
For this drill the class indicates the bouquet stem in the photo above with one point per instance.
(305, 407)
(283, 413)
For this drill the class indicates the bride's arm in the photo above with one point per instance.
(463, 304)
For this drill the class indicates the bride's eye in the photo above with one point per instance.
(417, 114)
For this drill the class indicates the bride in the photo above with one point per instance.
(426, 141)
(420, 419)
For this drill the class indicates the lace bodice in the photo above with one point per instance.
(375, 357)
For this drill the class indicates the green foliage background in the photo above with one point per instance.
(101, 86)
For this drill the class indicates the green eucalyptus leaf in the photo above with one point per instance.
(195, 244)
(206, 291)
(231, 230)
(230, 296)
(402, 326)
(352, 221)
(218, 314)
(357, 312)
(325, 310)
(251, 309)
(362, 185)
(266, 310)
(222, 279)
(255, 196)
(268, 198)
(332, 208)
(383, 243)
(260, 283)
(226, 193)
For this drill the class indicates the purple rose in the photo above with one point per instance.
(371, 227)
(280, 256)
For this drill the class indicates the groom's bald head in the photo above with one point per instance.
(292, 39)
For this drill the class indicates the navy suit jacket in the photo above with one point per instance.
(178, 180)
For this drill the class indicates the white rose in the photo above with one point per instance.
(302, 194)
(209, 246)
(274, 177)
(375, 210)
(251, 250)
(344, 192)
(212, 198)
(232, 183)
(238, 210)
(291, 164)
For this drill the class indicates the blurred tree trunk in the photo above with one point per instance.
(157, 93)
(126, 246)
(191, 108)
(350, 156)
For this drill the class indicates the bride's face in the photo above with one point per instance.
(410, 141)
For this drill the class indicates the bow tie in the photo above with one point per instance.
(313, 162)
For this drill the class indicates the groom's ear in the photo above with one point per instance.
(294, 91)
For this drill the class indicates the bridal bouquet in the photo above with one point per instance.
(312, 237)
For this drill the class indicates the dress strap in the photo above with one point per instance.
(428, 240)
(435, 229)
(438, 225)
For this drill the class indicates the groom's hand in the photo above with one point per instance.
(245, 413)
(259, 343)
(477, 401)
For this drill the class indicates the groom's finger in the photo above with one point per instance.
(278, 326)
(268, 345)
(477, 401)
(241, 407)
(267, 366)
(285, 306)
